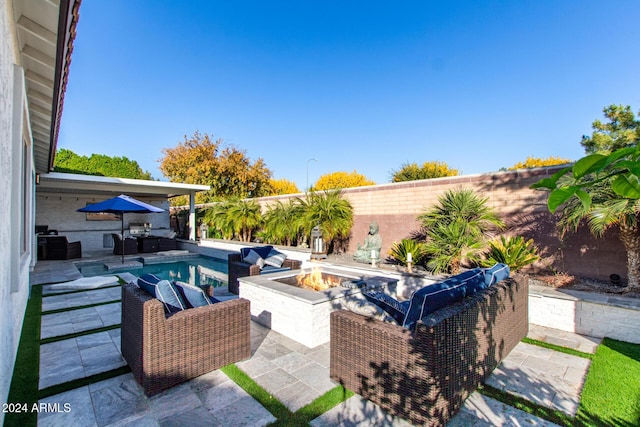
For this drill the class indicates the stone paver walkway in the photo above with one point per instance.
(291, 372)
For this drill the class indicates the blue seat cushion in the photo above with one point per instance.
(496, 274)
(394, 308)
(271, 269)
(194, 296)
(169, 295)
(433, 297)
(263, 251)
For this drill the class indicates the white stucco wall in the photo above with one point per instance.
(58, 211)
(14, 266)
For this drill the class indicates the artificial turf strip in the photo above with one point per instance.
(81, 382)
(306, 414)
(77, 291)
(611, 393)
(26, 371)
(62, 310)
(78, 334)
(269, 402)
(558, 348)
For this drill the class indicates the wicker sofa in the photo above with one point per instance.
(164, 351)
(238, 268)
(425, 375)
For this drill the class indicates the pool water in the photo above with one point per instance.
(197, 271)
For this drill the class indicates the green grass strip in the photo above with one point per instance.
(76, 291)
(555, 416)
(26, 372)
(79, 307)
(78, 334)
(81, 382)
(558, 348)
(306, 414)
(269, 402)
(611, 393)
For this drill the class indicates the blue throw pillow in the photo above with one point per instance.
(147, 282)
(168, 293)
(393, 307)
(432, 298)
(194, 295)
(496, 274)
(275, 258)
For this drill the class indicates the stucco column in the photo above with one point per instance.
(192, 216)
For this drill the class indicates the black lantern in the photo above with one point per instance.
(318, 249)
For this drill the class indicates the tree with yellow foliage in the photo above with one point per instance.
(428, 170)
(536, 162)
(227, 169)
(282, 186)
(341, 179)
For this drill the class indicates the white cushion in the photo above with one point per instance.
(253, 258)
(275, 258)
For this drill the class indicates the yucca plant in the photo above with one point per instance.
(516, 252)
(399, 251)
(456, 230)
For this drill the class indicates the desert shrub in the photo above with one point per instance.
(399, 251)
(516, 252)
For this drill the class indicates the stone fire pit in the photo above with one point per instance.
(299, 313)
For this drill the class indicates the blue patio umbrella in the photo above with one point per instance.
(121, 205)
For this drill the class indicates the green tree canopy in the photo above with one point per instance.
(414, 172)
(341, 179)
(227, 169)
(622, 130)
(98, 164)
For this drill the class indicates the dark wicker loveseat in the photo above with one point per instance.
(238, 268)
(425, 375)
(165, 351)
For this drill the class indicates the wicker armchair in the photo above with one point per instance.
(425, 376)
(58, 247)
(237, 268)
(165, 351)
(130, 245)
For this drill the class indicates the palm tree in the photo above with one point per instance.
(246, 216)
(330, 211)
(608, 210)
(216, 218)
(457, 228)
(282, 222)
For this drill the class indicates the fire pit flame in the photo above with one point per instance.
(316, 280)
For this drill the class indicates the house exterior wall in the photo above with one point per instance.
(395, 208)
(16, 200)
(58, 211)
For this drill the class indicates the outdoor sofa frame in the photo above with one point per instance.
(165, 351)
(237, 268)
(425, 376)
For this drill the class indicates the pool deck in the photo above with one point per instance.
(289, 371)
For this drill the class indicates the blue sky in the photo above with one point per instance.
(363, 86)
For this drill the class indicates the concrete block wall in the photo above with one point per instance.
(395, 207)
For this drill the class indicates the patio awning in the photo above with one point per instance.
(100, 186)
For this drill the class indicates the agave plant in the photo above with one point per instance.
(399, 251)
(516, 252)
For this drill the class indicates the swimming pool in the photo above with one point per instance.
(197, 271)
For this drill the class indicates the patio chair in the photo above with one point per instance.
(164, 351)
(236, 267)
(130, 245)
(58, 247)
